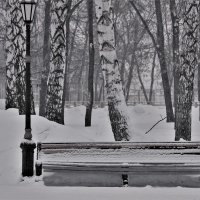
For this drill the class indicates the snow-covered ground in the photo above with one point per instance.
(142, 119)
(37, 191)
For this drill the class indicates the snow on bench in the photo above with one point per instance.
(120, 163)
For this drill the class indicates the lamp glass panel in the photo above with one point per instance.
(28, 12)
(33, 11)
(23, 11)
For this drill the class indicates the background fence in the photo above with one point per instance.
(136, 97)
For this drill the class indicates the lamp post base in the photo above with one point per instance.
(27, 147)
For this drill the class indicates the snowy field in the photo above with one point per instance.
(142, 119)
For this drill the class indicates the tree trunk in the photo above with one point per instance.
(66, 70)
(70, 50)
(54, 108)
(82, 63)
(135, 44)
(15, 51)
(122, 70)
(130, 76)
(66, 86)
(141, 83)
(88, 115)
(188, 63)
(175, 45)
(159, 46)
(101, 92)
(68, 55)
(61, 13)
(15, 65)
(96, 83)
(110, 68)
(199, 65)
(161, 55)
(168, 46)
(152, 78)
(199, 83)
(46, 58)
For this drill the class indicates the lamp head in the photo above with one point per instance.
(28, 10)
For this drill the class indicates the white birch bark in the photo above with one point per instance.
(110, 67)
(15, 48)
(54, 110)
(186, 70)
(15, 64)
(199, 64)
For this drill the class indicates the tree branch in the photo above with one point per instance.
(144, 23)
(74, 8)
(155, 124)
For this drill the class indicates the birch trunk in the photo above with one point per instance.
(54, 108)
(188, 63)
(15, 65)
(110, 68)
(15, 48)
(11, 93)
(199, 65)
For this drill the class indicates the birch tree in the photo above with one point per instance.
(110, 67)
(61, 13)
(198, 79)
(188, 64)
(15, 49)
(54, 108)
(15, 65)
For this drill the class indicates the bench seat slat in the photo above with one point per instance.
(131, 167)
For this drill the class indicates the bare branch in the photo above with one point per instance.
(155, 124)
(144, 23)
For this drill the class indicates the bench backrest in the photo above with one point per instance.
(119, 152)
(119, 145)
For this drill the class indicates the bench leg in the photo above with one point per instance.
(38, 168)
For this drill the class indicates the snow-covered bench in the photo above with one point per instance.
(121, 163)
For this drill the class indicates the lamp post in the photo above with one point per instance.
(28, 145)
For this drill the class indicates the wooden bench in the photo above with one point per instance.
(120, 163)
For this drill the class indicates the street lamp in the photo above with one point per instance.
(28, 145)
